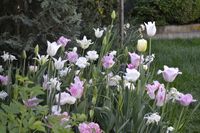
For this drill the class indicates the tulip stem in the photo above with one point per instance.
(149, 46)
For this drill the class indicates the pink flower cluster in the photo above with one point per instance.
(76, 88)
(157, 91)
(89, 128)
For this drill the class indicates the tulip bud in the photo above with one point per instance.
(24, 54)
(91, 113)
(113, 15)
(141, 45)
(36, 50)
(145, 67)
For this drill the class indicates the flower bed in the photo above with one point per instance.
(89, 91)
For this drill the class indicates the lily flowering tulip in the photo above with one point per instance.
(82, 62)
(59, 64)
(52, 48)
(169, 74)
(151, 28)
(42, 59)
(92, 55)
(84, 43)
(98, 32)
(8, 57)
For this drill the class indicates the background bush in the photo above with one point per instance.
(25, 23)
(165, 11)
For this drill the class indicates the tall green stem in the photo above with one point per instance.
(149, 46)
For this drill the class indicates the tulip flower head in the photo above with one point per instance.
(135, 61)
(32, 102)
(161, 96)
(98, 32)
(76, 88)
(169, 74)
(152, 88)
(8, 57)
(4, 80)
(92, 55)
(150, 28)
(131, 75)
(141, 45)
(42, 59)
(54, 83)
(59, 64)
(186, 99)
(65, 98)
(108, 61)
(84, 43)
(63, 41)
(82, 62)
(56, 110)
(52, 48)
(72, 56)
(89, 128)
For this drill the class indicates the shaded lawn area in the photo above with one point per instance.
(184, 54)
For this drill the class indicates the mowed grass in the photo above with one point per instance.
(184, 54)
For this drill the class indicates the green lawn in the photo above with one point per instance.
(184, 54)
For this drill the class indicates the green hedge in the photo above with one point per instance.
(166, 11)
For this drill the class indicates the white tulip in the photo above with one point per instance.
(8, 57)
(59, 64)
(84, 43)
(54, 84)
(151, 29)
(65, 98)
(55, 109)
(82, 62)
(42, 59)
(98, 33)
(52, 48)
(131, 75)
(92, 55)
